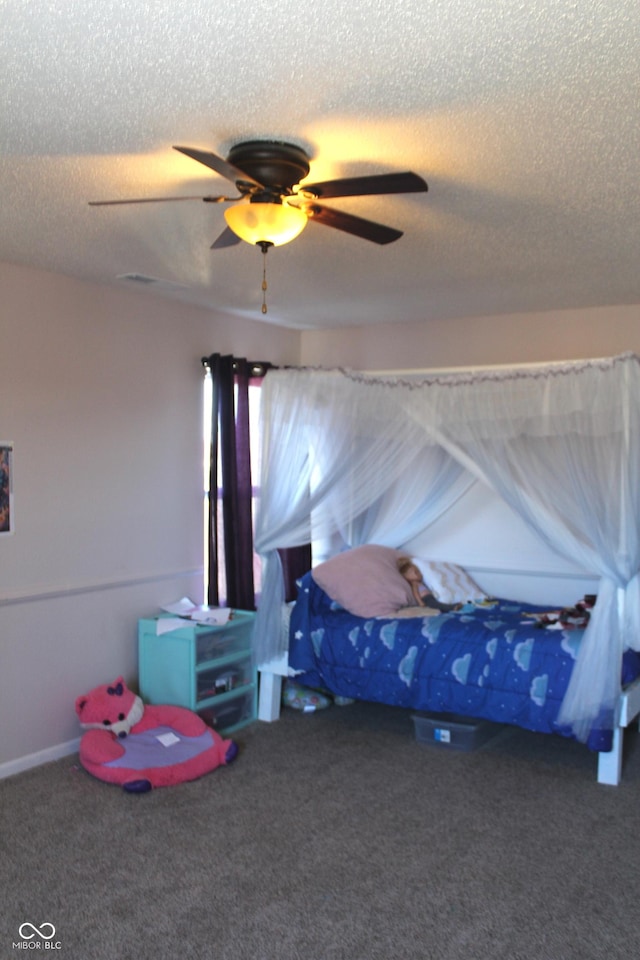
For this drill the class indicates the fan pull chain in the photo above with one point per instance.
(264, 280)
(264, 246)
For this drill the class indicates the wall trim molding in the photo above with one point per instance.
(20, 764)
(55, 592)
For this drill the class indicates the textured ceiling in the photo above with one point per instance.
(522, 115)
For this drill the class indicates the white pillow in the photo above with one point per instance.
(448, 582)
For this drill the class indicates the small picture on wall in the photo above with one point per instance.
(6, 488)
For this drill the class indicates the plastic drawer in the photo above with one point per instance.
(223, 678)
(228, 713)
(235, 637)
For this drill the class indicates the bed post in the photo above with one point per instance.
(270, 693)
(610, 763)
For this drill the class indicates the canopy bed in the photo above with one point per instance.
(350, 459)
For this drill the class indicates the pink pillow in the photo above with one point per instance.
(365, 581)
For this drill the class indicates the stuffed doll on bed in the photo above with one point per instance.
(422, 595)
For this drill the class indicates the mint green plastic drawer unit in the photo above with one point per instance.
(202, 668)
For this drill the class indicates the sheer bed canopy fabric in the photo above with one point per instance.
(379, 459)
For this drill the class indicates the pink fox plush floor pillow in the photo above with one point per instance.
(140, 747)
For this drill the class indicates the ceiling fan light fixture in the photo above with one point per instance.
(260, 222)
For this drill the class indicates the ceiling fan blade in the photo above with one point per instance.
(366, 229)
(367, 186)
(226, 239)
(112, 203)
(220, 166)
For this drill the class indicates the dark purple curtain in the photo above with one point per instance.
(230, 435)
(230, 440)
(296, 561)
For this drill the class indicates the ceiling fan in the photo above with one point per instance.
(274, 206)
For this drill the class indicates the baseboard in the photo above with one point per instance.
(20, 764)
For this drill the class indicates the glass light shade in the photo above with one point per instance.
(275, 223)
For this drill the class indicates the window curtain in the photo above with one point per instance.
(230, 378)
(379, 459)
(296, 561)
(231, 500)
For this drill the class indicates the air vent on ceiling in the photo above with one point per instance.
(151, 281)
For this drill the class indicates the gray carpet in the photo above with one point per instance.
(334, 836)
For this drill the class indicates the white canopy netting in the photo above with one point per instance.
(376, 459)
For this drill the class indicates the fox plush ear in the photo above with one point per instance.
(102, 694)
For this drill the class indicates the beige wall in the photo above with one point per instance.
(518, 338)
(100, 391)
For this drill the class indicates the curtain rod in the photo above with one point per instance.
(531, 365)
(258, 367)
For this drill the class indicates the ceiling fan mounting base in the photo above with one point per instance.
(272, 163)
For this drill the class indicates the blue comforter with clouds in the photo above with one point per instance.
(490, 661)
